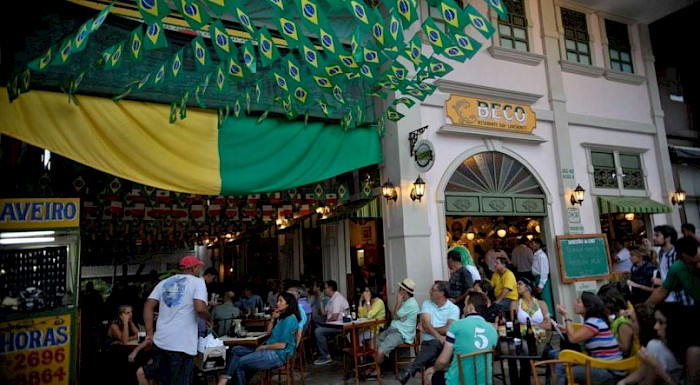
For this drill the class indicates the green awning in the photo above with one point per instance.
(639, 205)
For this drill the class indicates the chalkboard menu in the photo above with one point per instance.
(583, 257)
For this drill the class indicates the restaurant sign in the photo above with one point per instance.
(36, 350)
(490, 114)
(35, 213)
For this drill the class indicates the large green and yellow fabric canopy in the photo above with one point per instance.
(129, 140)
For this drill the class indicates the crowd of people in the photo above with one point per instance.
(648, 313)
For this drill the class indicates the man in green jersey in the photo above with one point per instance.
(467, 335)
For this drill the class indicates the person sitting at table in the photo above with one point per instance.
(596, 336)
(122, 329)
(224, 314)
(504, 284)
(621, 326)
(371, 307)
(333, 312)
(529, 307)
(250, 301)
(403, 326)
(276, 350)
(467, 335)
(437, 314)
(318, 302)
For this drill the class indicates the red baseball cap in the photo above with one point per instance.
(189, 261)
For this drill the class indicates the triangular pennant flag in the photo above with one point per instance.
(220, 39)
(81, 37)
(154, 36)
(498, 7)
(479, 22)
(201, 54)
(136, 44)
(153, 10)
(195, 15)
(267, 48)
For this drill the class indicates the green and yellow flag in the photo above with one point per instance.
(201, 54)
(453, 16)
(240, 13)
(249, 56)
(81, 37)
(194, 14)
(498, 7)
(435, 36)
(63, 53)
(220, 39)
(153, 10)
(113, 56)
(40, 64)
(176, 64)
(407, 10)
(136, 44)
(154, 37)
(267, 48)
(219, 7)
(468, 45)
(289, 30)
(479, 22)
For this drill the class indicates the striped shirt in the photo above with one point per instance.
(603, 344)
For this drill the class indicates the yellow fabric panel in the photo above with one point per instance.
(130, 139)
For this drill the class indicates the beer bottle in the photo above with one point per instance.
(530, 338)
(502, 325)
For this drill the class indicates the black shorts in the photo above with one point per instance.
(170, 367)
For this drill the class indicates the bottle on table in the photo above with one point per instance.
(530, 338)
(502, 332)
(353, 312)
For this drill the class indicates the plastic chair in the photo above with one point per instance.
(569, 365)
(486, 355)
(627, 364)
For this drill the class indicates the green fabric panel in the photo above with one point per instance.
(276, 154)
(613, 204)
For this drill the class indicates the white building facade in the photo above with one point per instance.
(593, 100)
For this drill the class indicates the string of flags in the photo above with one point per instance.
(310, 77)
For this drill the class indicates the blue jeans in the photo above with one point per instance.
(598, 376)
(321, 333)
(245, 358)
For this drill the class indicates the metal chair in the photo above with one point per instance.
(568, 367)
(486, 356)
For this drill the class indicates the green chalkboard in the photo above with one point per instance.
(583, 257)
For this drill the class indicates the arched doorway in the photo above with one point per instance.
(492, 199)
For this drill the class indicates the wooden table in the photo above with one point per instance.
(257, 323)
(254, 339)
(355, 328)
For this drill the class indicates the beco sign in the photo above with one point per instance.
(490, 114)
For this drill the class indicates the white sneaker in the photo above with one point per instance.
(323, 361)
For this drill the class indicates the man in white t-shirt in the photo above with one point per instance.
(334, 312)
(180, 300)
(623, 263)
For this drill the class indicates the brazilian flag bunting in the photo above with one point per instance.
(479, 22)
(153, 10)
(154, 37)
(194, 14)
(267, 48)
(136, 44)
(201, 54)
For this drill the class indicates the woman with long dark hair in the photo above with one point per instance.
(595, 335)
(276, 350)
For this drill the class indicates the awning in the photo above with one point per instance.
(639, 205)
(684, 154)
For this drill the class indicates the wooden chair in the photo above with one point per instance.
(363, 356)
(627, 364)
(415, 346)
(484, 355)
(287, 368)
(569, 365)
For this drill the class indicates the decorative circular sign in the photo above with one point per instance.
(424, 155)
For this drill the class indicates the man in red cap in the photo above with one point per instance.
(180, 299)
